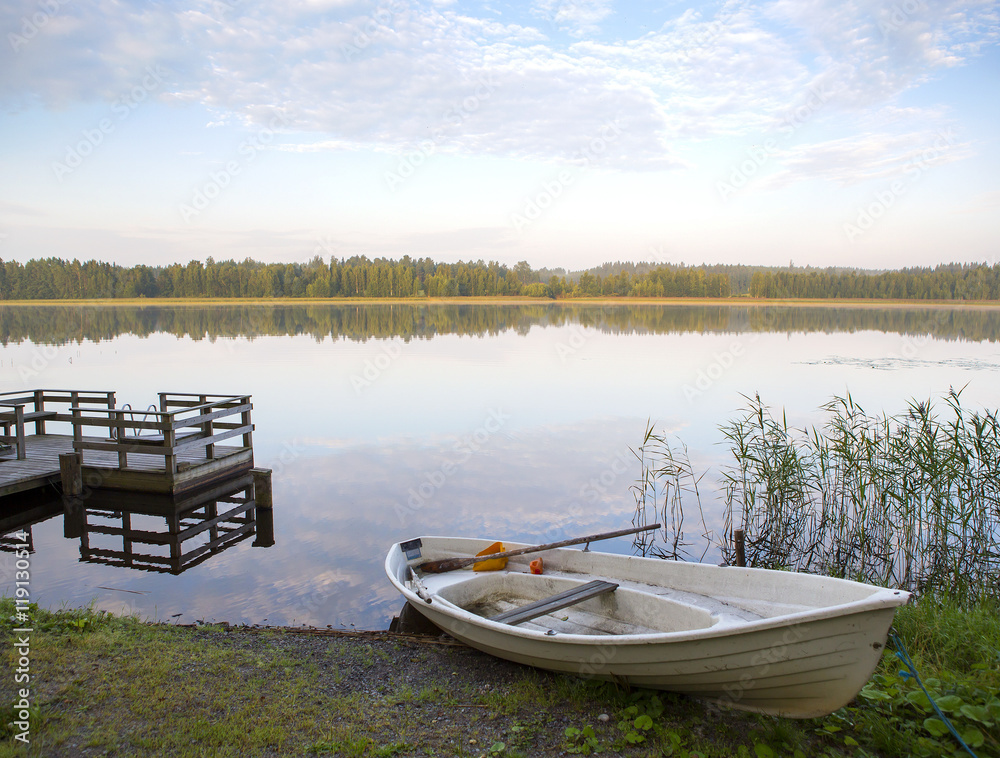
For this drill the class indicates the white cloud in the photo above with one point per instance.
(396, 73)
(873, 156)
(578, 18)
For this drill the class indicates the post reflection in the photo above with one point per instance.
(157, 533)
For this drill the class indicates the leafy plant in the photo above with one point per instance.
(892, 713)
(581, 741)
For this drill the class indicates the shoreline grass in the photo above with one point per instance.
(106, 685)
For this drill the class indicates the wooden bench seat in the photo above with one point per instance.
(153, 439)
(8, 418)
(554, 603)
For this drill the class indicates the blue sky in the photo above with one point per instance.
(564, 133)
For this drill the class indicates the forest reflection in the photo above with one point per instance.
(62, 324)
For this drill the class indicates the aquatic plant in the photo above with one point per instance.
(667, 478)
(910, 501)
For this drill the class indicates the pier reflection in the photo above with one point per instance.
(20, 513)
(158, 533)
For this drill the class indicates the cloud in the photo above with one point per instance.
(390, 75)
(883, 49)
(873, 156)
(578, 18)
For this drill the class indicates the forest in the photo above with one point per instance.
(360, 277)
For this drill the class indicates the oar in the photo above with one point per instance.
(450, 564)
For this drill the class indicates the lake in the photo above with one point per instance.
(382, 422)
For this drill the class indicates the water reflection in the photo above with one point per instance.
(167, 534)
(509, 422)
(62, 324)
(20, 513)
(148, 532)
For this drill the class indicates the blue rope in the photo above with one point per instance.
(911, 672)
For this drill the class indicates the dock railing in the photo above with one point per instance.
(19, 408)
(183, 420)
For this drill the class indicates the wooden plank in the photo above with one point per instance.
(41, 467)
(197, 440)
(555, 602)
(212, 416)
(33, 416)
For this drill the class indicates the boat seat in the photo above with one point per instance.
(549, 604)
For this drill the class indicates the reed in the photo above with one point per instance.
(909, 501)
(667, 479)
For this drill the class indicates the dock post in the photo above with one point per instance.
(71, 474)
(22, 454)
(740, 540)
(263, 507)
(262, 487)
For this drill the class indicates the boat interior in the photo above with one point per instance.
(594, 594)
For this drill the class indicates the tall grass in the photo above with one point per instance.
(667, 478)
(909, 501)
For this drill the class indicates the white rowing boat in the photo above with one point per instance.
(778, 642)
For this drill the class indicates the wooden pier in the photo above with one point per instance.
(83, 441)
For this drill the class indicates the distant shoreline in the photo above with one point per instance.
(720, 301)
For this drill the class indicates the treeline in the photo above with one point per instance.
(56, 279)
(63, 324)
(947, 282)
(359, 277)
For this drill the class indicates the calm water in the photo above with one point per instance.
(386, 422)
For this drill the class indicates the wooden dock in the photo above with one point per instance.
(170, 448)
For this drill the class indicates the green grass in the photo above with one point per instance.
(956, 650)
(123, 687)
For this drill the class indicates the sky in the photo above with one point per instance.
(855, 133)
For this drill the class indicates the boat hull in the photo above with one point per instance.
(801, 664)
